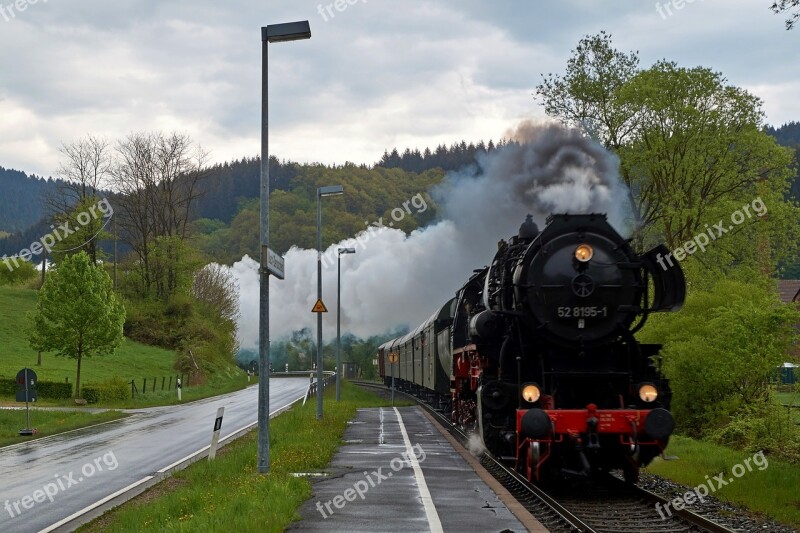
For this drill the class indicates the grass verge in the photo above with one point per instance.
(229, 494)
(47, 423)
(771, 491)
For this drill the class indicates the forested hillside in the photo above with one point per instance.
(789, 135)
(456, 157)
(370, 194)
(22, 199)
(229, 183)
(226, 184)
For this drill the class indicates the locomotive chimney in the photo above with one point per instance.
(528, 230)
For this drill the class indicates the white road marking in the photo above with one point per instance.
(380, 437)
(427, 502)
(95, 505)
(148, 478)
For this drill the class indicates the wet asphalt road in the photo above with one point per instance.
(81, 467)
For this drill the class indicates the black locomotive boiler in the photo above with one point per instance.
(536, 352)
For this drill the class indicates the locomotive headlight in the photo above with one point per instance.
(648, 393)
(583, 253)
(531, 393)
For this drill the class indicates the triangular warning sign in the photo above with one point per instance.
(319, 307)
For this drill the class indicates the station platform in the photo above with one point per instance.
(398, 471)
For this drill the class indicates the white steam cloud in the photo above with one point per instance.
(396, 279)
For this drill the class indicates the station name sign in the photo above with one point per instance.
(274, 263)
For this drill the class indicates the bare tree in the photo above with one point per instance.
(180, 166)
(157, 180)
(87, 166)
(216, 286)
(132, 176)
(85, 169)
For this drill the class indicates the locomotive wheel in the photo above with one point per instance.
(631, 474)
(532, 461)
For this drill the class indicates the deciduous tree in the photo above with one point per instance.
(784, 6)
(692, 148)
(587, 96)
(721, 349)
(77, 314)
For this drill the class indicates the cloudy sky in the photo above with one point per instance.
(375, 75)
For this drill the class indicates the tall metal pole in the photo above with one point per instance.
(319, 297)
(44, 261)
(263, 323)
(115, 251)
(27, 405)
(338, 324)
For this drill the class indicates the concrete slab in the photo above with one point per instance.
(397, 472)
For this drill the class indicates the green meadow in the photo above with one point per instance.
(131, 360)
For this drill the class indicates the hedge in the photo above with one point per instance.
(52, 390)
(112, 390)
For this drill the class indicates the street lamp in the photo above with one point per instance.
(322, 192)
(338, 317)
(274, 33)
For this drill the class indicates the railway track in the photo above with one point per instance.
(587, 507)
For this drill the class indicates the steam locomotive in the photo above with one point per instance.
(536, 352)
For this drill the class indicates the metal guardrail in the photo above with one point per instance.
(300, 373)
(311, 391)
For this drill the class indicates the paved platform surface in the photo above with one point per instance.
(397, 472)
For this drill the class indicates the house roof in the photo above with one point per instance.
(789, 290)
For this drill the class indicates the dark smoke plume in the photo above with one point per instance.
(396, 279)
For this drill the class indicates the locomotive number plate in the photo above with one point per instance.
(582, 312)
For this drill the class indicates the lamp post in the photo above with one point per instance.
(274, 33)
(338, 318)
(322, 192)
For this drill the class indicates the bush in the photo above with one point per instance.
(115, 389)
(13, 274)
(91, 394)
(767, 426)
(158, 323)
(112, 390)
(720, 351)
